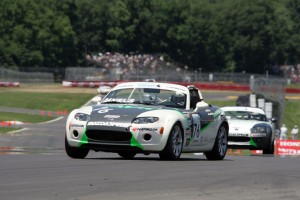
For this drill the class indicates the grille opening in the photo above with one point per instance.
(239, 139)
(147, 137)
(109, 136)
(75, 133)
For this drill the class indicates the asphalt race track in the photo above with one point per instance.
(52, 175)
(34, 166)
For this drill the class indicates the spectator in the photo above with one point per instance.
(283, 132)
(294, 133)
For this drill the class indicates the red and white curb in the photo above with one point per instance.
(9, 84)
(90, 84)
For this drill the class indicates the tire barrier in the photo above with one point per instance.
(10, 123)
(90, 84)
(11, 150)
(9, 84)
(292, 90)
(57, 113)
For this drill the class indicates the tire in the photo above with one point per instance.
(173, 148)
(220, 146)
(75, 152)
(269, 149)
(127, 155)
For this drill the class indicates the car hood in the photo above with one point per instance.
(242, 126)
(110, 115)
(118, 113)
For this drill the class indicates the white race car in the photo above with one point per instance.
(148, 117)
(249, 128)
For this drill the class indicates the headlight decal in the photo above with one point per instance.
(82, 117)
(134, 142)
(252, 142)
(205, 127)
(84, 139)
(217, 113)
(145, 120)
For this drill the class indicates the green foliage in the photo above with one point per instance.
(43, 101)
(291, 114)
(216, 35)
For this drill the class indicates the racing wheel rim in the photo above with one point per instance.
(222, 140)
(177, 141)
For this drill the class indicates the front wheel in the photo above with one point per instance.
(269, 149)
(220, 147)
(173, 148)
(75, 152)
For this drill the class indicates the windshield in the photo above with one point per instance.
(245, 115)
(147, 96)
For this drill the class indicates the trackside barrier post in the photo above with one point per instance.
(275, 148)
(234, 152)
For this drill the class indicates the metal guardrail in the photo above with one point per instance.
(7, 75)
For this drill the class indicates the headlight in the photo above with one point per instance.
(258, 129)
(82, 117)
(144, 120)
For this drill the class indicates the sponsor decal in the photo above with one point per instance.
(132, 107)
(144, 129)
(148, 85)
(288, 147)
(119, 100)
(103, 109)
(252, 142)
(83, 140)
(238, 134)
(77, 125)
(176, 88)
(112, 117)
(196, 127)
(135, 143)
(107, 124)
(258, 134)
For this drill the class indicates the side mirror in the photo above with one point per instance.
(273, 120)
(96, 99)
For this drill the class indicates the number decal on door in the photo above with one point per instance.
(196, 127)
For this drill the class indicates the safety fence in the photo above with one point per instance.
(165, 73)
(9, 76)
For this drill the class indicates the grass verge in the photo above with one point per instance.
(43, 101)
(26, 118)
(4, 130)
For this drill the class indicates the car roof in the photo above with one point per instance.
(243, 108)
(153, 85)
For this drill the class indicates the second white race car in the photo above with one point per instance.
(148, 117)
(249, 128)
